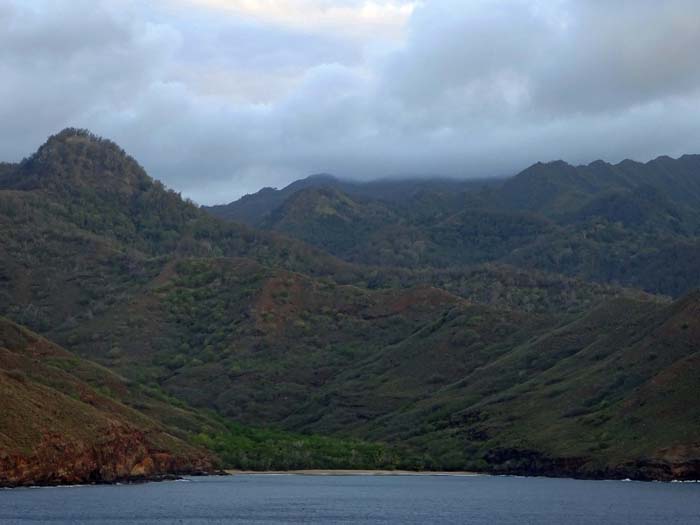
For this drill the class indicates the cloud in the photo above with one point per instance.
(64, 62)
(546, 60)
(352, 18)
(221, 98)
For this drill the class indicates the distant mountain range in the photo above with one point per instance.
(630, 224)
(543, 324)
(254, 209)
(553, 188)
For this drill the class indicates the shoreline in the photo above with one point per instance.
(438, 473)
(344, 472)
(321, 473)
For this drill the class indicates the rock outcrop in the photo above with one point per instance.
(58, 428)
(122, 454)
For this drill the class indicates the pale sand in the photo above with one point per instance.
(353, 473)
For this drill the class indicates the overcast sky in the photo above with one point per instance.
(218, 98)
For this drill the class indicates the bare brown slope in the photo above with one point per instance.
(55, 428)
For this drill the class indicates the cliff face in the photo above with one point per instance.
(57, 428)
(121, 454)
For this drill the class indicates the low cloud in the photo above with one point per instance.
(221, 98)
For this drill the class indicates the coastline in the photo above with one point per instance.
(342, 472)
(444, 473)
(321, 473)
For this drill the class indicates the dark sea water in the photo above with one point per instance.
(359, 499)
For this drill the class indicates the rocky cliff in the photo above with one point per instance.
(121, 454)
(58, 428)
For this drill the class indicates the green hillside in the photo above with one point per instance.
(452, 326)
(630, 224)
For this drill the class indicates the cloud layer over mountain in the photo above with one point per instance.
(220, 97)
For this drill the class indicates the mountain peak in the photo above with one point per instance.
(78, 158)
(313, 201)
(75, 133)
(79, 139)
(550, 164)
(663, 158)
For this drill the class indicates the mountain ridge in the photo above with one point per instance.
(230, 211)
(583, 221)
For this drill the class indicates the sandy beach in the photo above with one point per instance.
(331, 472)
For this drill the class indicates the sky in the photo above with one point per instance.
(218, 98)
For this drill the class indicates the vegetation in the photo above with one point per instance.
(248, 448)
(66, 420)
(454, 326)
(628, 224)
